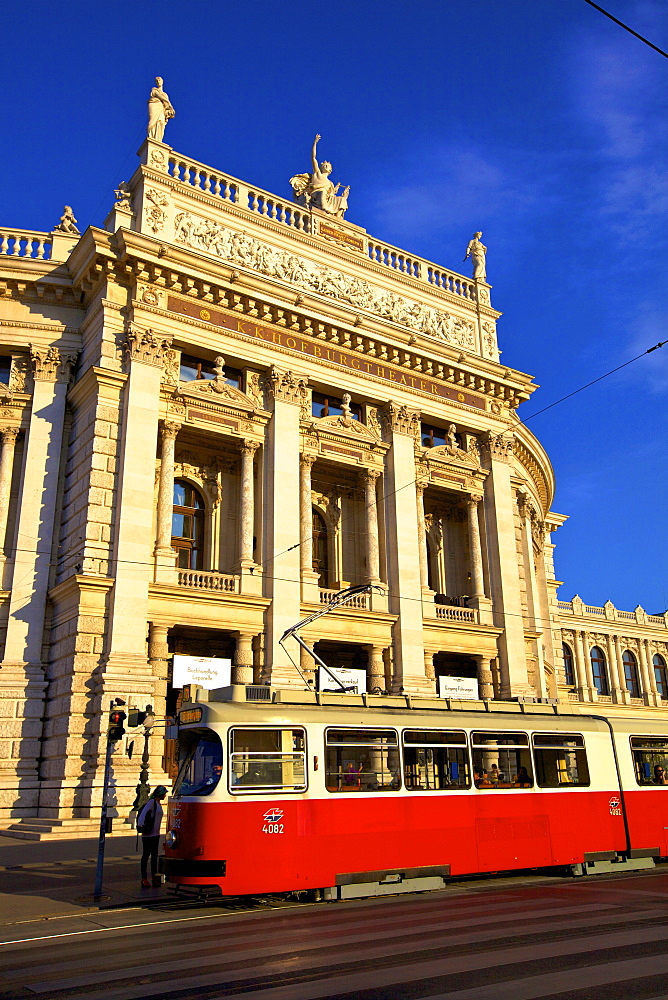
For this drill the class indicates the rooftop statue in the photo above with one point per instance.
(67, 222)
(160, 110)
(317, 191)
(476, 251)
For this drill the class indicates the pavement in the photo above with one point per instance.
(56, 878)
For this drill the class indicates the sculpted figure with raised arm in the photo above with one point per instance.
(160, 110)
(317, 191)
(476, 251)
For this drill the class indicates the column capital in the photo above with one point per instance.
(370, 476)
(472, 501)
(170, 428)
(306, 460)
(52, 365)
(145, 346)
(9, 434)
(249, 448)
(285, 386)
(400, 419)
(497, 447)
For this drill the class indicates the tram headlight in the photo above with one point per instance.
(170, 839)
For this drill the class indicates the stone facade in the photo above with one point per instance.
(312, 409)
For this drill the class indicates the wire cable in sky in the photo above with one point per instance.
(594, 381)
(626, 28)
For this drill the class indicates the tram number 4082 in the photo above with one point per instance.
(272, 828)
(272, 822)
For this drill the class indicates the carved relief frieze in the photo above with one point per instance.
(145, 346)
(254, 389)
(20, 376)
(151, 296)
(171, 367)
(242, 249)
(156, 214)
(489, 345)
(51, 364)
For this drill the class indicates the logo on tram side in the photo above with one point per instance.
(615, 805)
(271, 820)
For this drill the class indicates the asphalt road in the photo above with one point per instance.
(596, 938)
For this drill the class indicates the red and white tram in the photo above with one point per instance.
(355, 794)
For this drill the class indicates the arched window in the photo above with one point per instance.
(320, 553)
(569, 672)
(599, 670)
(631, 673)
(661, 675)
(188, 526)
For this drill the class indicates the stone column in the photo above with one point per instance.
(376, 669)
(504, 568)
(9, 436)
(429, 671)
(247, 498)
(475, 547)
(422, 536)
(485, 680)
(578, 666)
(650, 691)
(286, 394)
(591, 693)
(401, 427)
(242, 671)
(620, 695)
(165, 557)
(306, 463)
(528, 516)
(370, 477)
(158, 654)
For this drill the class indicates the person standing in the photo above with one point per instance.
(149, 822)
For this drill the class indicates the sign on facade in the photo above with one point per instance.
(208, 672)
(461, 688)
(354, 680)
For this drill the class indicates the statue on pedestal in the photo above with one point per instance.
(160, 110)
(476, 251)
(123, 197)
(317, 191)
(67, 223)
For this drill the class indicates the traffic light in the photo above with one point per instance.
(138, 718)
(116, 728)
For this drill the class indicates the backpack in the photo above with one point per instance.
(147, 817)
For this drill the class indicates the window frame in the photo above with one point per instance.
(504, 742)
(462, 746)
(661, 748)
(236, 789)
(602, 681)
(198, 514)
(327, 402)
(367, 731)
(537, 736)
(630, 666)
(660, 675)
(569, 664)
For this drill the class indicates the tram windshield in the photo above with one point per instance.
(501, 760)
(201, 762)
(650, 759)
(362, 760)
(435, 759)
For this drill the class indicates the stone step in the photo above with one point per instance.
(37, 828)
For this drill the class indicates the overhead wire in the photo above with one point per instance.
(627, 28)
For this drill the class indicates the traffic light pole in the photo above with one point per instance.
(97, 892)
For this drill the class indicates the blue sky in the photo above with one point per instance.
(538, 121)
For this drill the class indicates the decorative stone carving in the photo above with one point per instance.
(171, 367)
(151, 296)
(498, 447)
(373, 421)
(316, 190)
(490, 349)
(67, 223)
(156, 215)
(254, 388)
(328, 502)
(218, 388)
(401, 420)
(145, 346)
(20, 375)
(123, 197)
(159, 160)
(160, 111)
(477, 251)
(239, 248)
(483, 296)
(52, 365)
(285, 386)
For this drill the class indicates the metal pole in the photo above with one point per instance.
(97, 892)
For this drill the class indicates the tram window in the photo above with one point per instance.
(201, 762)
(560, 759)
(501, 760)
(362, 760)
(267, 758)
(435, 759)
(650, 759)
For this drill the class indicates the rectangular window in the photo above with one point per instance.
(265, 759)
(560, 759)
(650, 759)
(435, 759)
(193, 368)
(331, 406)
(5, 369)
(362, 760)
(501, 760)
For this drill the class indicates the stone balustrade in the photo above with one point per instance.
(216, 582)
(452, 614)
(24, 243)
(609, 612)
(258, 202)
(360, 602)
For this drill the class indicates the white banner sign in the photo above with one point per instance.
(353, 679)
(461, 688)
(208, 672)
